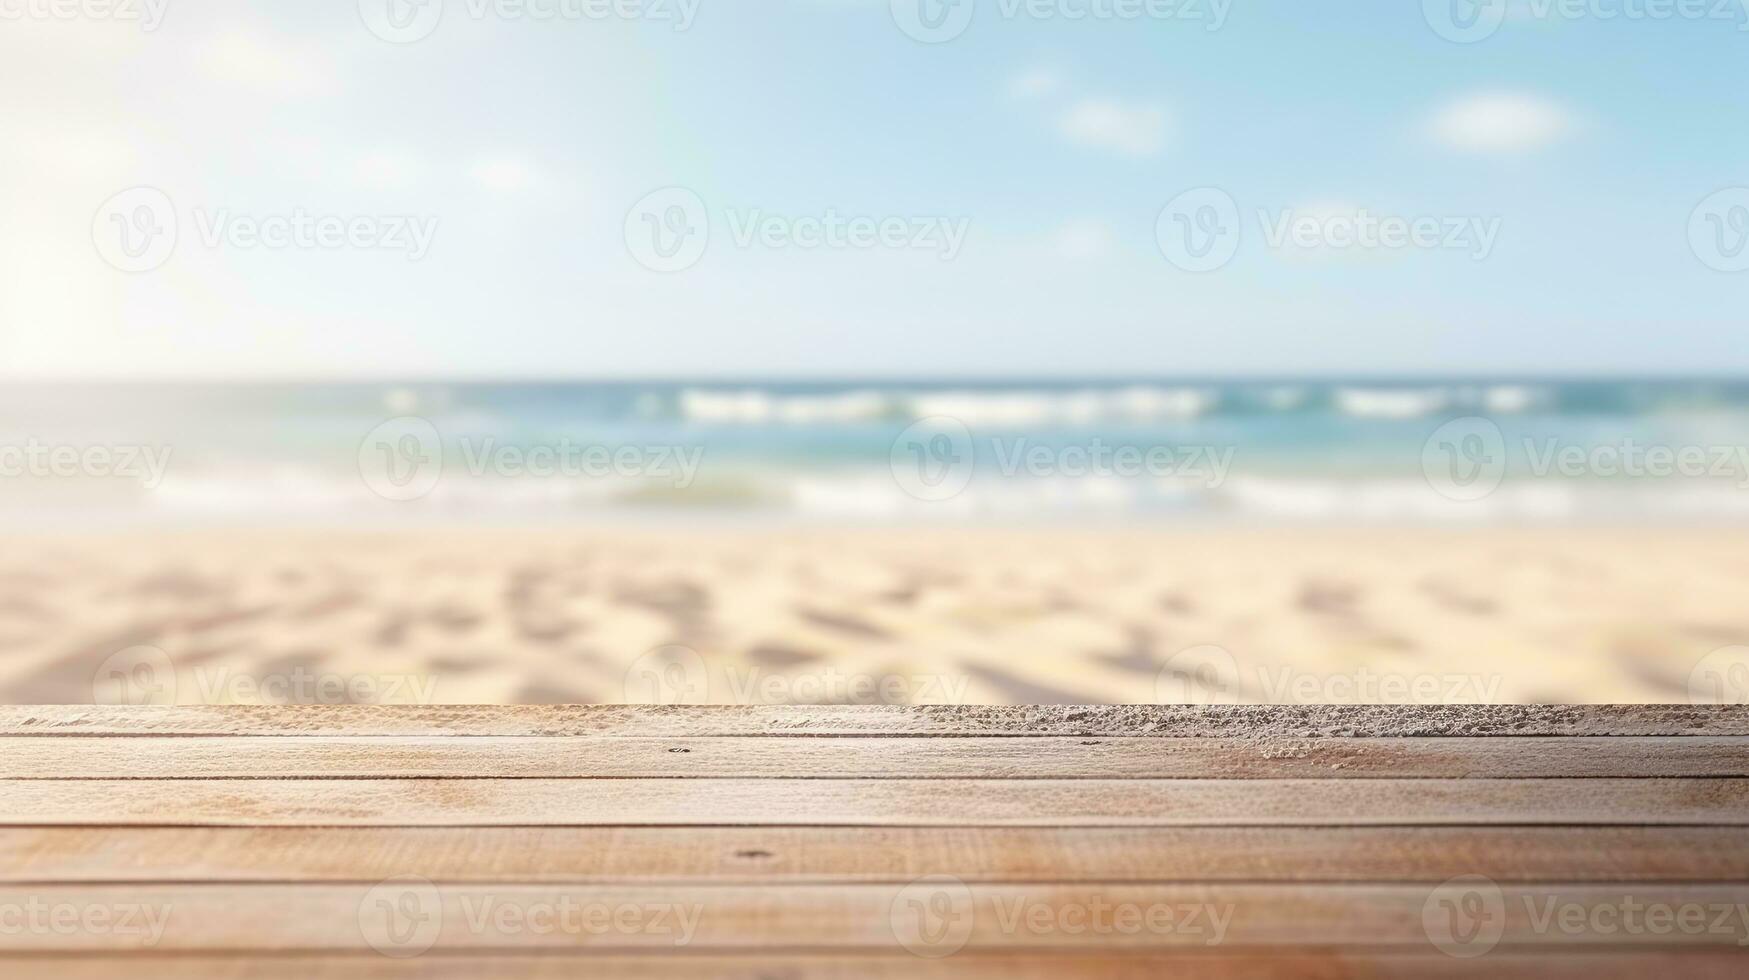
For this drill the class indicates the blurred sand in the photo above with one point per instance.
(912, 614)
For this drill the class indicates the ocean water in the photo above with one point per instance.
(1362, 450)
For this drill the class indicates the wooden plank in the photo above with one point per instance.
(931, 917)
(1308, 964)
(932, 802)
(208, 757)
(780, 855)
(1184, 721)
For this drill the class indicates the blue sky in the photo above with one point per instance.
(1588, 142)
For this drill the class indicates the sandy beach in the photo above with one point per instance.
(912, 615)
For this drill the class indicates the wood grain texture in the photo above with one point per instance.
(265, 757)
(779, 855)
(1183, 721)
(901, 802)
(826, 842)
(932, 917)
(1306, 964)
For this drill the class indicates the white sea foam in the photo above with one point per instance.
(1391, 403)
(1510, 399)
(753, 407)
(1285, 398)
(997, 409)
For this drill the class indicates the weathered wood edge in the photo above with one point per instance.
(857, 757)
(872, 802)
(1312, 963)
(1113, 721)
(850, 917)
(785, 855)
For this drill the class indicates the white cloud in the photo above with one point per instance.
(1083, 239)
(1034, 84)
(501, 173)
(1500, 122)
(56, 154)
(386, 169)
(278, 66)
(1132, 130)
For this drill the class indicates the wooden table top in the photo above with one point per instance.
(793, 843)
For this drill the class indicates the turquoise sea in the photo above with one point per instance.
(1278, 449)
